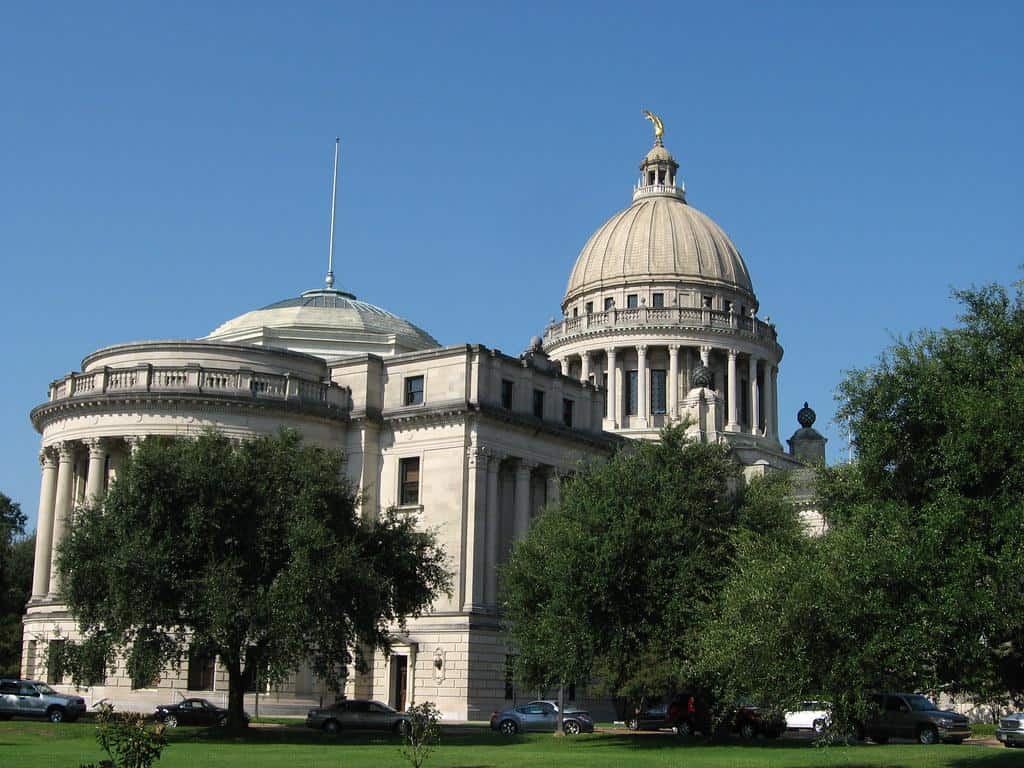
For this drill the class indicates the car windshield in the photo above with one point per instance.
(921, 704)
(44, 689)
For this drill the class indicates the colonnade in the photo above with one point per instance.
(607, 366)
(73, 473)
(494, 525)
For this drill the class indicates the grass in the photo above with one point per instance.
(30, 744)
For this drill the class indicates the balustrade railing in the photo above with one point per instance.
(688, 317)
(197, 379)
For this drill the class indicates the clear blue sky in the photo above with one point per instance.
(164, 167)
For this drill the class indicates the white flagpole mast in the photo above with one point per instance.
(334, 197)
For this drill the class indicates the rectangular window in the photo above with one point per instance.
(727, 305)
(538, 403)
(567, 412)
(658, 300)
(631, 302)
(409, 481)
(706, 302)
(630, 394)
(609, 302)
(590, 308)
(575, 311)
(200, 670)
(658, 391)
(414, 390)
(507, 389)
(55, 662)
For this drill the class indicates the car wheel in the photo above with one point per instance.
(748, 731)
(332, 726)
(928, 735)
(508, 727)
(818, 726)
(633, 724)
(684, 728)
(571, 727)
(171, 721)
(55, 714)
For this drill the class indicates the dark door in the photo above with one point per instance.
(399, 681)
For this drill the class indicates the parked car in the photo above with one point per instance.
(912, 716)
(750, 721)
(811, 716)
(540, 716)
(1011, 730)
(192, 712)
(682, 712)
(31, 698)
(357, 715)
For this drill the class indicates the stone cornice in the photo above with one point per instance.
(725, 337)
(114, 402)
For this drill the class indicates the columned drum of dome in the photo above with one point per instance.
(658, 294)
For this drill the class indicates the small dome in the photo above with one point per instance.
(658, 237)
(328, 323)
(658, 154)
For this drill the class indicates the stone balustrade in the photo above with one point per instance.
(200, 380)
(694, 318)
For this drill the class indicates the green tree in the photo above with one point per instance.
(253, 551)
(919, 581)
(612, 584)
(16, 554)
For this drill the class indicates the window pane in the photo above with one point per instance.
(658, 390)
(658, 300)
(567, 412)
(506, 394)
(409, 481)
(538, 403)
(631, 302)
(414, 390)
(631, 393)
(590, 307)
(609, 302)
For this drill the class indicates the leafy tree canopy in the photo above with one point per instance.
(252, 551)
(612, 584)
(919, 583)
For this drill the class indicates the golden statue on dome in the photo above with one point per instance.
(659, 128)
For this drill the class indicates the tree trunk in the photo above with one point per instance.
(238, 681)
(560, 717)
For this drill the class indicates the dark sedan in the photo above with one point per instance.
(357, 715)
(540, 716)
(191, 712)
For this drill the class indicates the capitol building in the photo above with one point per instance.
(660, 323)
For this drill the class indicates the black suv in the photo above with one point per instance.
(912, 716)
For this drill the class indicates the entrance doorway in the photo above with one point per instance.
(399, 681)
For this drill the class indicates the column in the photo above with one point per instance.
(755, 408)
(585, 367)
(493, 530)
(673, 382)
(774, 408)
(62, 507)
(553, 491)
(476, 526)
(96, 474)
(705, 355)
(733, 424)
(768, 426)
(613, 400)
(44, 526)
(522, 519)
(641, 384)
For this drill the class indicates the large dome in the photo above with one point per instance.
(658, 237)
(328, 323)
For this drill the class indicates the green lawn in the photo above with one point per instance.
(27, 744)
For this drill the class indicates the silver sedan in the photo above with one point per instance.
(357, 715)
(540, 716)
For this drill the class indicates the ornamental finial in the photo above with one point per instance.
(659, 127)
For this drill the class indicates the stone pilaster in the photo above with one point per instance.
(62, 508)
(733, 424)
(755, 406)
(493, 530)
(641, 385)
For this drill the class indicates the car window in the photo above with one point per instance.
(536, 710)
(27, 689)
(522, 710)
(894, 704)
(921, 703)
(185, 705)
(374, 707)
(8, 687)
(43, 688)
(359, 706)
